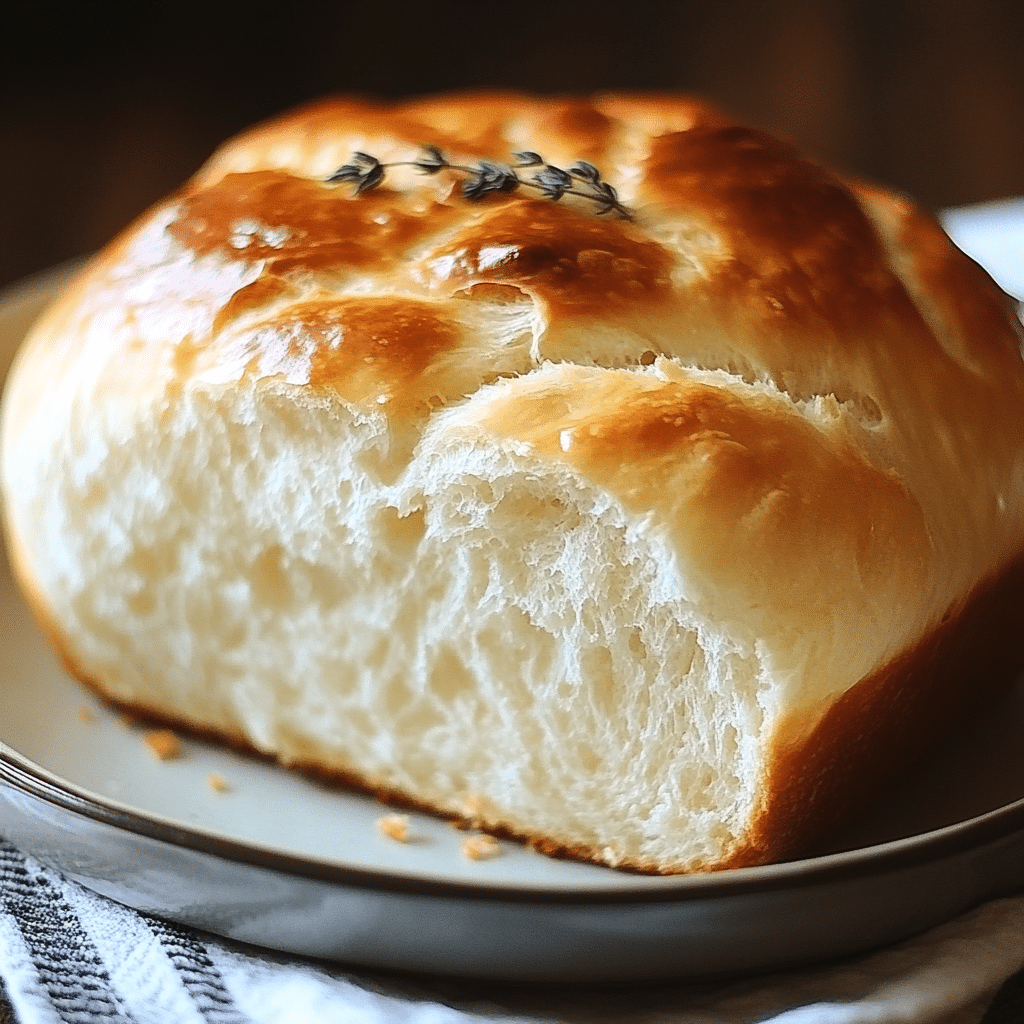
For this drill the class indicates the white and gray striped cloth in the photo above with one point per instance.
(68, 956)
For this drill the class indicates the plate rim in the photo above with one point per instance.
(971, 834)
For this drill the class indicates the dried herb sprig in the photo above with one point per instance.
(488, 177)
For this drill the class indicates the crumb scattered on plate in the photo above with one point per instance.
(395, 826)
(164, 744)
(480, 847)
(87, 715)
(218, 783)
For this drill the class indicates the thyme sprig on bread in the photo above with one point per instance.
(488, 177)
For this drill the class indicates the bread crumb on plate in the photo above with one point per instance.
(480, 847)
(218, 783)
(395, 826)
(164, 744)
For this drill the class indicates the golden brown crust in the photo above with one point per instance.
(389, 356)
(735, 235)
(289, 223)
(575, 266)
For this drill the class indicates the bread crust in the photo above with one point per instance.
(794, 409)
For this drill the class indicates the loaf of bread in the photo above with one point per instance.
(649, 500)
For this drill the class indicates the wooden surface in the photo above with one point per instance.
(103, 109)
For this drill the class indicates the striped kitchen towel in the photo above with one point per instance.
(68, 955)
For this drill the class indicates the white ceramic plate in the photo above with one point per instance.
(993, 233)
(282, 862)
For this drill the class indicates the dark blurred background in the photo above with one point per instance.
(106, 107)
